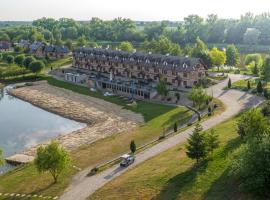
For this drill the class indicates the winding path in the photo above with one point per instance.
(234, 100)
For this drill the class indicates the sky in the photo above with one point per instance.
(148, 10)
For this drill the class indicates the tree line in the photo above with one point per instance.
(249, 29)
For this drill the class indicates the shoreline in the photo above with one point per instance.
(102, 119)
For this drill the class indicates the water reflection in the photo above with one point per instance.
(23, 125)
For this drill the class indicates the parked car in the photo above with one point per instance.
(93, 89)
(108, 94)
(127, 160)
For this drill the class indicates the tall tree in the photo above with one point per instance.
(132, 146)
(265, 73)
(197, 147)
(53, 159)
(232, 55)
(126, 46)
(218, 57)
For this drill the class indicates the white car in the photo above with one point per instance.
(93, 90)
(108, 94)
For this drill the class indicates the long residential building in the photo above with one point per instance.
(141, 68)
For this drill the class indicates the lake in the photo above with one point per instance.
(23, 125)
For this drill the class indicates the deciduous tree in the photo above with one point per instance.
(53, 159)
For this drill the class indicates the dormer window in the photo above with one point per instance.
(165, 63)
(185, 65)
(147, 61)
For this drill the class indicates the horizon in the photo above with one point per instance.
(84, 10)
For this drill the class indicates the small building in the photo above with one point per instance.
(55, 52)
(37, 48)
(76, 78)
(5, 45)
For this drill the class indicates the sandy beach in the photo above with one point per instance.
(101, 118)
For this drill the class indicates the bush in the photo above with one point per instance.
(10, 59)
(28, 60)
(36, 66)
(19, 60)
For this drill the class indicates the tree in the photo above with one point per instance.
(53, 159)
(266, 109)
(19, 60)
(36, 66)
(251, 36)
(257, 58)
(252, 124)
(2, 161)
(232, 55)
(81, 41)
(248, 85)
(132, 146)
(259, 87)
(229, 83)
(10, 59)
(197, 147)
(28, 60)
(162, 88)
(175, 127)
(126, 46)
(198, 96)
(251, 164)
(18, 49)
(212, 141)
(218, 57)
(266, 69)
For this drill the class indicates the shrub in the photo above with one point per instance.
(19, 60)
(36, 66)
(10, 59)
(28, 60)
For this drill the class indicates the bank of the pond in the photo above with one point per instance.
(24, 125)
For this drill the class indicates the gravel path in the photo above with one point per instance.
(235, 101)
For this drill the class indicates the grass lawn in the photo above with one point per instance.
(147, 109)
(242, 84)
(27, 180)
(172, 175)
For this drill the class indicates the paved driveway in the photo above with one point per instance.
(235, 101)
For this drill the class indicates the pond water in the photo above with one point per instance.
(23, 125)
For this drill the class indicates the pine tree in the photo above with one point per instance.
(175, 127)
(132, 146)
(229, 83)
(212, 141)
(259, 87)
(248, 85)
(197, 147)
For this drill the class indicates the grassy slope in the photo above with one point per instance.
(172, 175)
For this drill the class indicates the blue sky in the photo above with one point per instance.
(134, 9)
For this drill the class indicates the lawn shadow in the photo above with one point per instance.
(177, 184)
(225, 186)
(173, 188)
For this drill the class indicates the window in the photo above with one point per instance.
(185, 75)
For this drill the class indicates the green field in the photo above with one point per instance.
(242, 84)
(172, 175)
